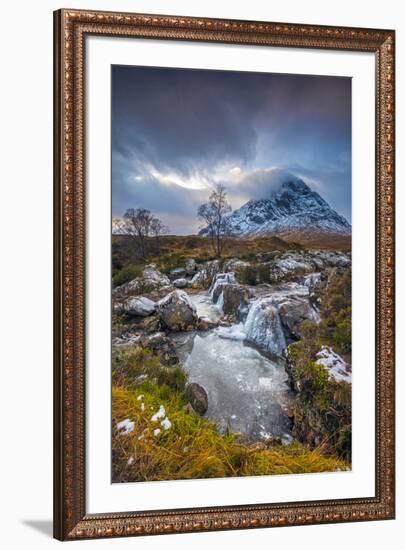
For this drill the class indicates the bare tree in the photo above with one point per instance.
(214, 214)
(158, 229)
(141, 219)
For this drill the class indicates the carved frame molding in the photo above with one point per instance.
(70, 518)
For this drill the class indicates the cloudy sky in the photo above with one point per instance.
(177, 132)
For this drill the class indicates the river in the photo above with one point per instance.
(247, 391)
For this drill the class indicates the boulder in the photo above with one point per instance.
(177, 312)
(181, 283)
(273, 321)
(204, 277)
(151, 274)
(235, 300)
(197, 397)
(200, 280)
(191, 267)
(292, 312)
(177, 273)
(141, 307)
(235, 265)
(151, 282)
(218, 283)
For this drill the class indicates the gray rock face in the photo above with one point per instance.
(177, 312)
(235, 299)
(292, 312)
(200, 279)
(197, 397)
(181, 283)
(204, 277)
(218, 284)
(141, 307)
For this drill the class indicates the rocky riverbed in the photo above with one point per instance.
(229, 325)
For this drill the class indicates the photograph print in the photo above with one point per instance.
(231, 274)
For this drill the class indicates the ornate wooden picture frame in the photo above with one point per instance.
(71, 520)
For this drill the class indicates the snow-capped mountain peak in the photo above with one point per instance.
(292, 208)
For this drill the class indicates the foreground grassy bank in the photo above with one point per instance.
(157, 436)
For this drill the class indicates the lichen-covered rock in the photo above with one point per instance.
(141, 307)
(197, 397)
(177, 312)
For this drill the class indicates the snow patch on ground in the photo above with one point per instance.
(166, 424)
(334, 364)
(126, 426)
(160, 414)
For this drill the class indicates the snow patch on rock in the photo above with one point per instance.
(334, 364)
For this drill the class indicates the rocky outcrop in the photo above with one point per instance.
(321, 411)
(218, 284)
(177, 312)
(288, 267)
(235, 300)
(205, 275)
(231, 297)
(292, 312)
(274, 321)
(152, 284)
(197, 397)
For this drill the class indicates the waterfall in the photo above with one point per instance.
(263, 327)
(220, 280)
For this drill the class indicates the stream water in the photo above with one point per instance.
(247, 392)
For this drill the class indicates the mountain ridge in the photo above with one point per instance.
(294, 208)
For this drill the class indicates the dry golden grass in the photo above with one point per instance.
(192, 448)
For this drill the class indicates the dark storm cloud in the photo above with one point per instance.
(177, 131)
